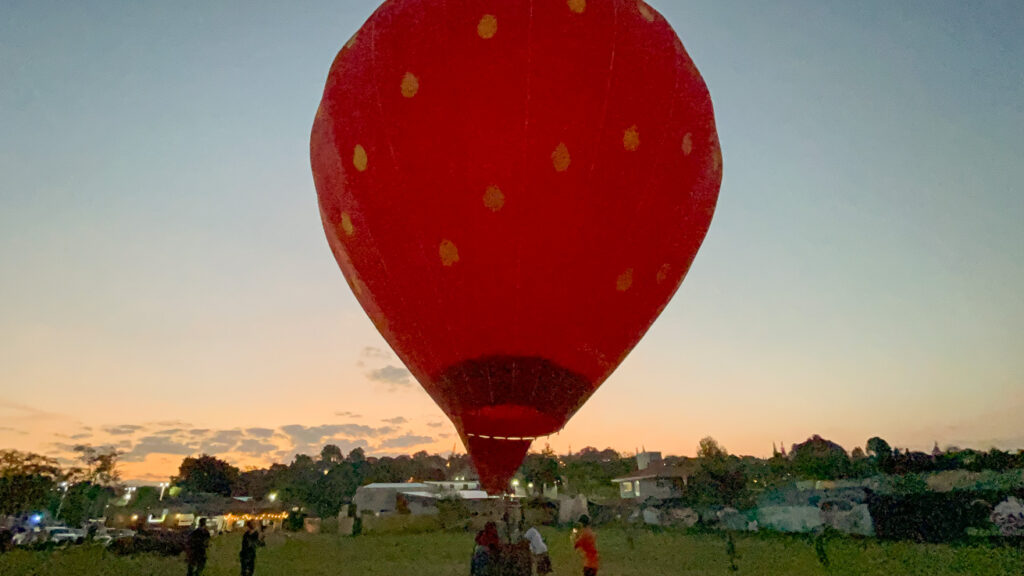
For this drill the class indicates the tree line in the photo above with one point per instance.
(321, 484)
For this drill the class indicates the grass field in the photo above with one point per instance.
(447, 554)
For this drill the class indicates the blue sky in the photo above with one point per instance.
(161, 255)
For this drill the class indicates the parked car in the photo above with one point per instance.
(107, 536)
(64, 535)
(25, 537)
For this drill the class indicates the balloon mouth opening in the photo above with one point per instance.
(510, 397)
(509, 422)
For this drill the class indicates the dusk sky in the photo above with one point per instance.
(166, 287)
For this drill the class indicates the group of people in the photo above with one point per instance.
(199, 541)
(519, 558)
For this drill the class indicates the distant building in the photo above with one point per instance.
(453, 485)
(645, 459)
(382, 499)
(657, 480)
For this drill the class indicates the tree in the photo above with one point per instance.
(207, 474)
(356, 455)
(100, 465)
(881, 454)
(540, 469)
(590, 471)
(709, 449)
(820, 459)
(27, 481)
(720, 479)
(331, 454)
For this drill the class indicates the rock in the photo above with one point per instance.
(790, 518)
(731, 519)
(1008, 516)
(683, 516)
(570, 509)
(346, 525)
(652, 516)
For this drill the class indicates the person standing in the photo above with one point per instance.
(250, 541)
(539, 550)
(586, 543)
(487, 553)
(195, 548)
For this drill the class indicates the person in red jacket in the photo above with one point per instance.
(586, 543)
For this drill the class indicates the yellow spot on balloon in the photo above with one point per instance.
(410, 85)
(346, 224)
(449, 253)
(494, 198)
(631, 138)
(357, 286)
(663, 272)
(560, 157)
(487, 27)
(716, 160)
(352, 41)
(359, 158)
(645, 10)
(577, 6)
(624, 281)
(687, 144)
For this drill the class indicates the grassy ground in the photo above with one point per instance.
(642, 553)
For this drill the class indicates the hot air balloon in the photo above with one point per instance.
(514, 190)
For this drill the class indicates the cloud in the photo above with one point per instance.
(435, 424)
(254, 446)
(395, 420)
(300, 434)
(405, 440)
(63, 447)
(11, 410)
(348, 414)
(392, 375)
(198, 431)
(374, 352)
(221, 441)
(81, 436)
(172, 424)
(159, 445)
(260, 432)
(169, 432)
(14, 430)
(123, 429)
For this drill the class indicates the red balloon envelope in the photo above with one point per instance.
(514, 190)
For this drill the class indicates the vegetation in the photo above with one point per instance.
(447, 554)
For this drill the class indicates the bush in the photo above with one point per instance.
(400, 523)
(162, 542)
(295, 522)
(453, 514)
(930, 516)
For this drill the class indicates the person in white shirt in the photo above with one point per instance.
(539, 550)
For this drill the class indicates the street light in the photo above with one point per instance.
(163, 486)
(272, 496)
(64, 487)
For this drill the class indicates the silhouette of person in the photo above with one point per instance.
(539, 550)
(487, 553)
(195, 548)
(250, 541)
(586, 543)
